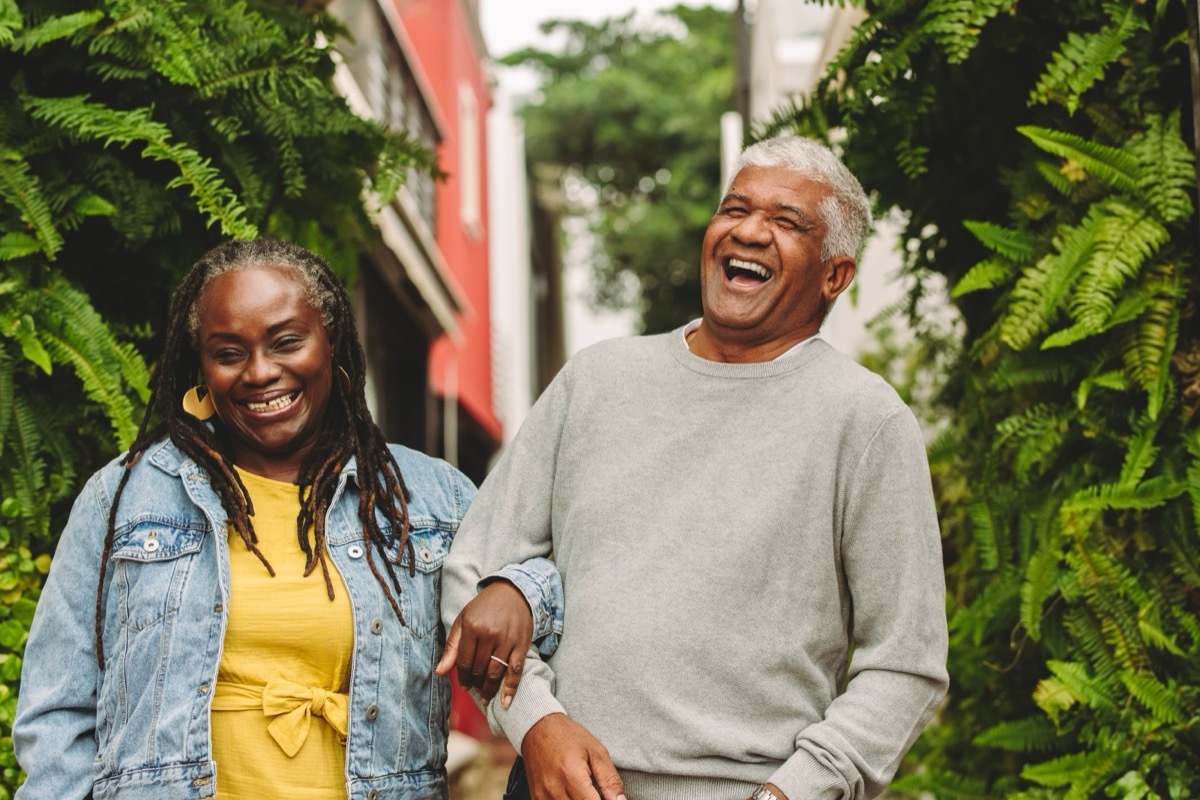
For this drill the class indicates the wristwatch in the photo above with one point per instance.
(763, 793)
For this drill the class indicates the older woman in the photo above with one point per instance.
(245, 603)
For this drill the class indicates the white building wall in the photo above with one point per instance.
(508, 252)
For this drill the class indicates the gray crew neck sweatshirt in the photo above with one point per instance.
(727, 534)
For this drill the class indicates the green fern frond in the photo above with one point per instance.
(1192, 441)
(17, 245)
(983, 533)
(94, 121)
(942, 785)
(955, 24)
(21, 326)
(984, 275)
(1148, 345)
(1014, 245)
(1088, 635)
(1140, 452)
(23, 191)
(10, 22)
(81, 338)
(24, 464)
(975, 619)
(1037, 431)
(1166, 168)
(7, 395)
(1013, 372)
(1083, 58)
(56, 28)
(1082, 686)
(1041, 580)
(1126, 238)
(1029, 735)
(1111, 592)
(1161, 700)
(1112, 165)
(1079, 771)
(1039, 293)
(1148, 494)
(1054, 176)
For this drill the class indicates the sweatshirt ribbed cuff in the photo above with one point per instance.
(533, 701)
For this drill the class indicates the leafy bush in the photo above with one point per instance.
(1040, 152)
(133, 136)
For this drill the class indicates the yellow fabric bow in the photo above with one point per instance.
(292, 704)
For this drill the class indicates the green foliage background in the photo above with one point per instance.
(134, 135)
(629, 113)
(1041, 152)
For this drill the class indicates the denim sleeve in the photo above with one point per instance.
(539, 581)
(54, 730)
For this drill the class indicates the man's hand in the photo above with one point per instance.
(494, 630)
(565, 762)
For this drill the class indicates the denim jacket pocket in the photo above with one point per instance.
(420, 577)
(150, 562)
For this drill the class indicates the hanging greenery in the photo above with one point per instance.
(1040, 153)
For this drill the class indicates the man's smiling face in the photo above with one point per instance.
(763, 282)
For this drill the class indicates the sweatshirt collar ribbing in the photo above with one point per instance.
(758, 369)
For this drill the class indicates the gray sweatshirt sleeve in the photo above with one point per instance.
(891, 550)
(510, 522)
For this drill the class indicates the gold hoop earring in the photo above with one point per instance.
(200, 408)
(344, 377)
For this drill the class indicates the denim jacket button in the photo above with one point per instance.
(205, 689)
(372, 711)
(373, 794)
(426, 555)
(376, 626)
(151, 544)
(354, 551)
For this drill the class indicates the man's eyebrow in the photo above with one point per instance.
(804, 216)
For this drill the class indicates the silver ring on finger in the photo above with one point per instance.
(499, 661)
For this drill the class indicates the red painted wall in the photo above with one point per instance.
(440, 35)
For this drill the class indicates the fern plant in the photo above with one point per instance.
(133, 136)
(1040, 154)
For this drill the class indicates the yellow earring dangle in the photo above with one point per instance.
(200, 408)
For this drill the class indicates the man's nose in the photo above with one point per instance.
(752, 229)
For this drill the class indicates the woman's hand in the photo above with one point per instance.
(488, 642)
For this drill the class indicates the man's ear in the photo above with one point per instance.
(839, 271)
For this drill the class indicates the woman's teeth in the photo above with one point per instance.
(273, 405)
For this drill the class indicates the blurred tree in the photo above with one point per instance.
(133, 136)
(628, 120)
(1041, 152)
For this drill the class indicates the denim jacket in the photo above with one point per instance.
(139, 728)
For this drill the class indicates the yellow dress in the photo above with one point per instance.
(280, 703)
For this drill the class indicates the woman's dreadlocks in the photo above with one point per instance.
(348, 429)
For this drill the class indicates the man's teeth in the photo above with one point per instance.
(274, 405)
(749, 266)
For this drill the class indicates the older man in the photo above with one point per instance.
(744, 525)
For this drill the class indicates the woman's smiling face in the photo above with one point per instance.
(268, 362)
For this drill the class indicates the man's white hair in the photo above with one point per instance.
(847, 212)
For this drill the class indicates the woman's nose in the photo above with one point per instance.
(261, 369)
